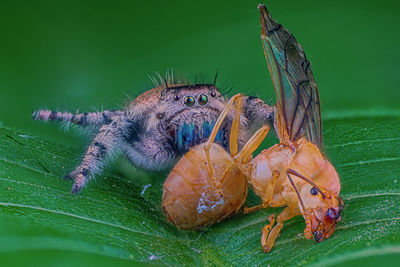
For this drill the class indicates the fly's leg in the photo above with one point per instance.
(83, 119)
(269, 190)
(266, 229)
(242, 159)
(233, 141)
(233, 137)
(103, 145)
(247, 210)
(217, 126)
(267, 197)
(268, 243)
(244, 156)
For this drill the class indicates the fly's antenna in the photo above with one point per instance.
(297, 192)
(291, 171)
(215, 77)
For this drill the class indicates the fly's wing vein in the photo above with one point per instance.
(296, 91)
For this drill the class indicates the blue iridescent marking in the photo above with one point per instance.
(188, 135)
(219, 136)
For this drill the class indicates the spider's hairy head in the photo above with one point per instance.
(173, 85)
(185, 112)
(180, 103)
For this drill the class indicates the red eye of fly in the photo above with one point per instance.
(330, 214)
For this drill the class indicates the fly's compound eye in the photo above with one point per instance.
(331, 214)
(177, 97)
(313, 191)
(203, 99)
(189, 101)
(213, 94)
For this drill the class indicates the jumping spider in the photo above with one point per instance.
(158, 127)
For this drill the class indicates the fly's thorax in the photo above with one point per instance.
(311, 163)
(269, 163)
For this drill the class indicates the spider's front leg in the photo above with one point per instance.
(102, 146)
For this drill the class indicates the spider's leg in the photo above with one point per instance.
(257, 111)
(83, 119)
(104, 144)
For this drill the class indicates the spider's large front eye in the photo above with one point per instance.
(203, 99)
(189, 101)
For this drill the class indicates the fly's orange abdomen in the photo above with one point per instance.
(191, 199)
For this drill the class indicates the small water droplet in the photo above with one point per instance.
(25, 136)
(144, 188)
(152, 257)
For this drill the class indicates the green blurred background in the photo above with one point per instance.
(85, 55)
(88, 55)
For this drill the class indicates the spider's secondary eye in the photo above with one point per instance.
(177, 97)
(203, 99)
(213, 94)
(314, 191)
(189, 101)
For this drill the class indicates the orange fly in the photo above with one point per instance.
(293, 173)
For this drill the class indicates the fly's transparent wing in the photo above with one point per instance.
(296, 91)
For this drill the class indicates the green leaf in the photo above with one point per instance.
(114, 222)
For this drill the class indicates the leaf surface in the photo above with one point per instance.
(114, 222)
